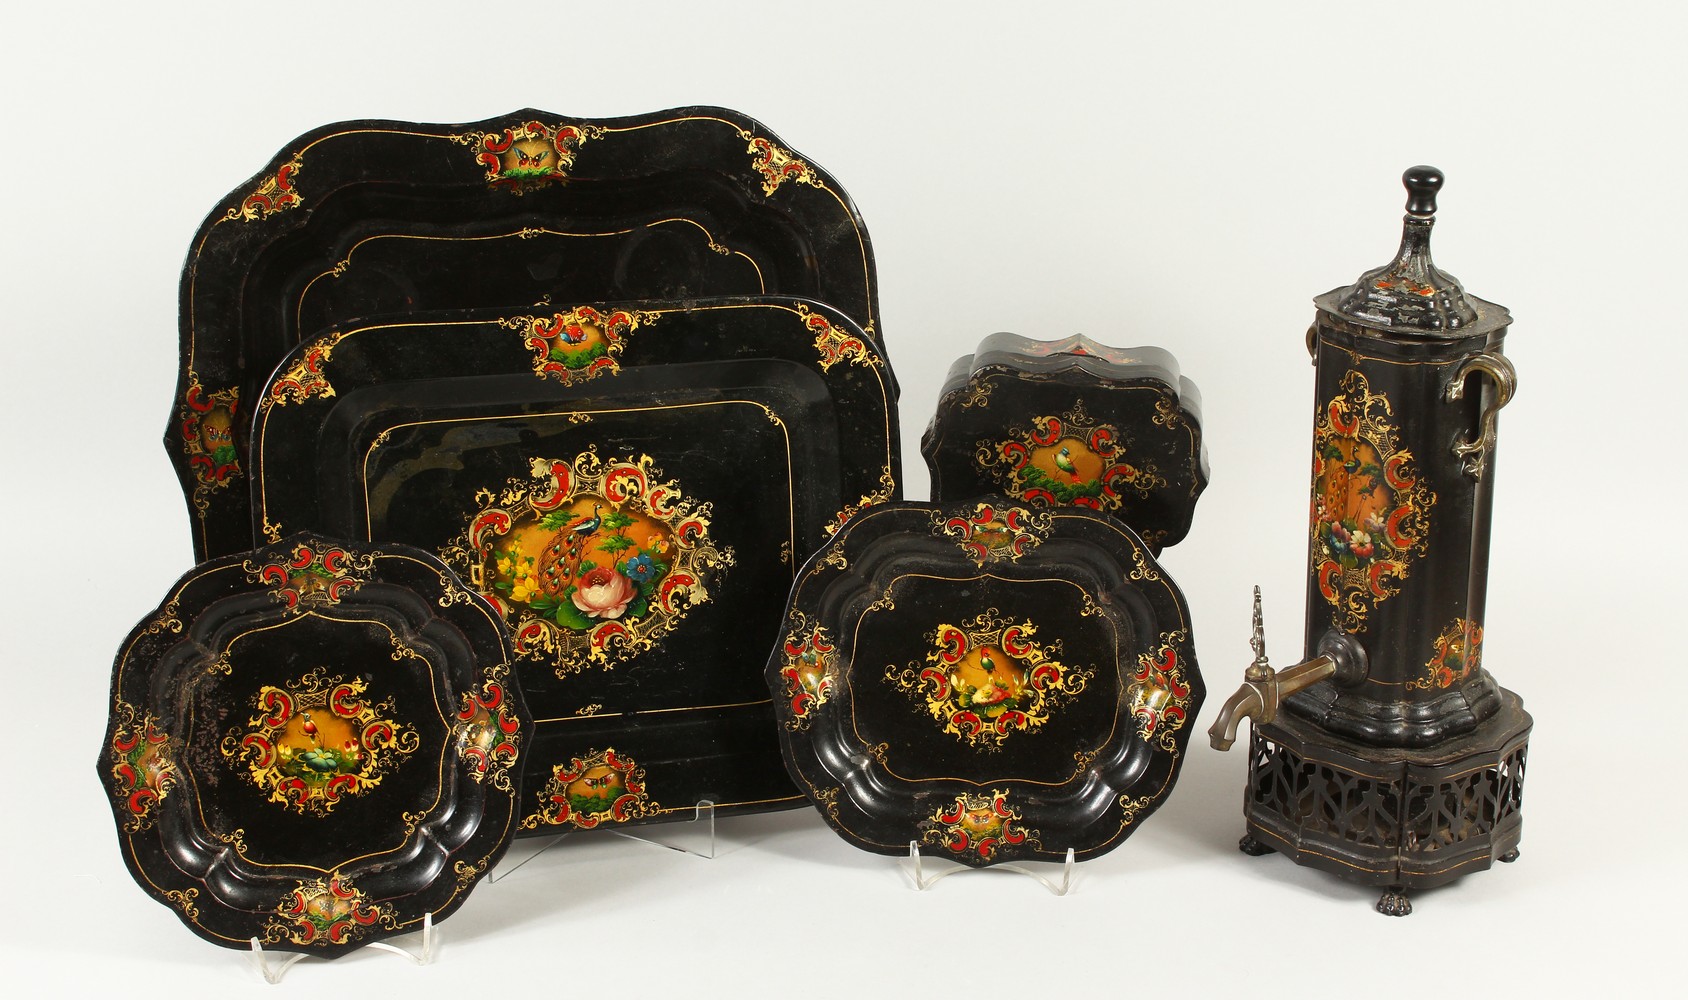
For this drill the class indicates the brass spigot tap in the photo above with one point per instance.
(1264, 689)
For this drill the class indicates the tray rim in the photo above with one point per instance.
(835, 343)
(271, 203)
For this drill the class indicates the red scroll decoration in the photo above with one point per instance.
(978, 822)
(602, 787)
(1370, 512)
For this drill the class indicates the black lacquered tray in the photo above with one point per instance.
(633, 488)
(314, 744)
(1072, 422)
(988, 681)
(364, 218)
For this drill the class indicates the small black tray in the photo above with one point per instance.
(315, 744)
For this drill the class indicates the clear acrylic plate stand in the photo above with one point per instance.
(274, 965)
(701, 828)
(700, 831)
(916, 870)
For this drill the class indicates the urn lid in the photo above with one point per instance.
(1410, 296)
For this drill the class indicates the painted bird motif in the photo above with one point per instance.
(587, 525)
(1064, 462)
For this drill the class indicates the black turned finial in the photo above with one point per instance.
(1422, 183)
(1410, 294)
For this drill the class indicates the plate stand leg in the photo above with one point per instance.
(511, 862)
(916, 870)
(702, 824)
(274, 971)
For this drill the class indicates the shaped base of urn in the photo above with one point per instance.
(1410, 820)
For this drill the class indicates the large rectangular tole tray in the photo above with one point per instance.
(633, 488)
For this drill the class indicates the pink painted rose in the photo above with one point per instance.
(604, 593)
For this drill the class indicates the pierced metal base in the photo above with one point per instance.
(1391, 817)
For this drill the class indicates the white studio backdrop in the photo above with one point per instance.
(1187, 176)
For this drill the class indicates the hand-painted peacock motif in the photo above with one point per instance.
(591, 560)
(1370, 507)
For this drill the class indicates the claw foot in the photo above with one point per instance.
(1508, 857)
(1252, 847)
(1394, 903)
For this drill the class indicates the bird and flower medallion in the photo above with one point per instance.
(989, 677)
(593, 559)
(1067, 459)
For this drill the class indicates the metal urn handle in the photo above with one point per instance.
(1474, 452)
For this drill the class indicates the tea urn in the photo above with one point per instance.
(1396, 760)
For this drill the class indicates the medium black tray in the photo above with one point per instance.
(989, 681)
(692, 454)
(363, 218)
